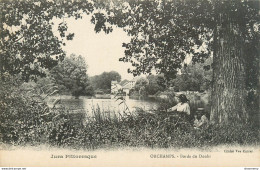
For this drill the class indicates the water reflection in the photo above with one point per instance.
(112, 105)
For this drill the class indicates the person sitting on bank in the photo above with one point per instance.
(201, 121)
(182, 106)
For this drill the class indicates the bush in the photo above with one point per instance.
(23, 114)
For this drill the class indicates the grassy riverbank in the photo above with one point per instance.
(27, 120)
(155, 130)
(141, 129)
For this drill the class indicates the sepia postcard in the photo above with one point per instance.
(129, 83)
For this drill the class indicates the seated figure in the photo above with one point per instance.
(201, 120)
(182, 106)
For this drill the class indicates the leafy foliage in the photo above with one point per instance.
(28, 44)
(163, 33)
(24, 114)
(150, 85)
(141, 85)
(194, 77)
(156, 84)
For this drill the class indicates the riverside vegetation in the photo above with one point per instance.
(27, 120)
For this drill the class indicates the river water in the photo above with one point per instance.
(112, 105)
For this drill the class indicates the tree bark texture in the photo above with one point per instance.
(228, 98)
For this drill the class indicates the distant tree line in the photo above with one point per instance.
(70, 78)
(193, 77)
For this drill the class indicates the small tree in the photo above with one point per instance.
(156, 84)
(103, 81)
(141, 86)
(72, 74)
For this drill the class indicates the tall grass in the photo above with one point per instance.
(146, 129)
(155, 129)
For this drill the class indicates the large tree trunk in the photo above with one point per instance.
(228, 98)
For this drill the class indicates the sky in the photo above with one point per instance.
(101, 51)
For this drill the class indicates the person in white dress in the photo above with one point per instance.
(182, 106)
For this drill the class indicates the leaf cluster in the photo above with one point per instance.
(103, 81)
(28, 44)
(71, 76)
(164, 33)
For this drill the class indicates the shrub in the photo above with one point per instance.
(23, 114)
